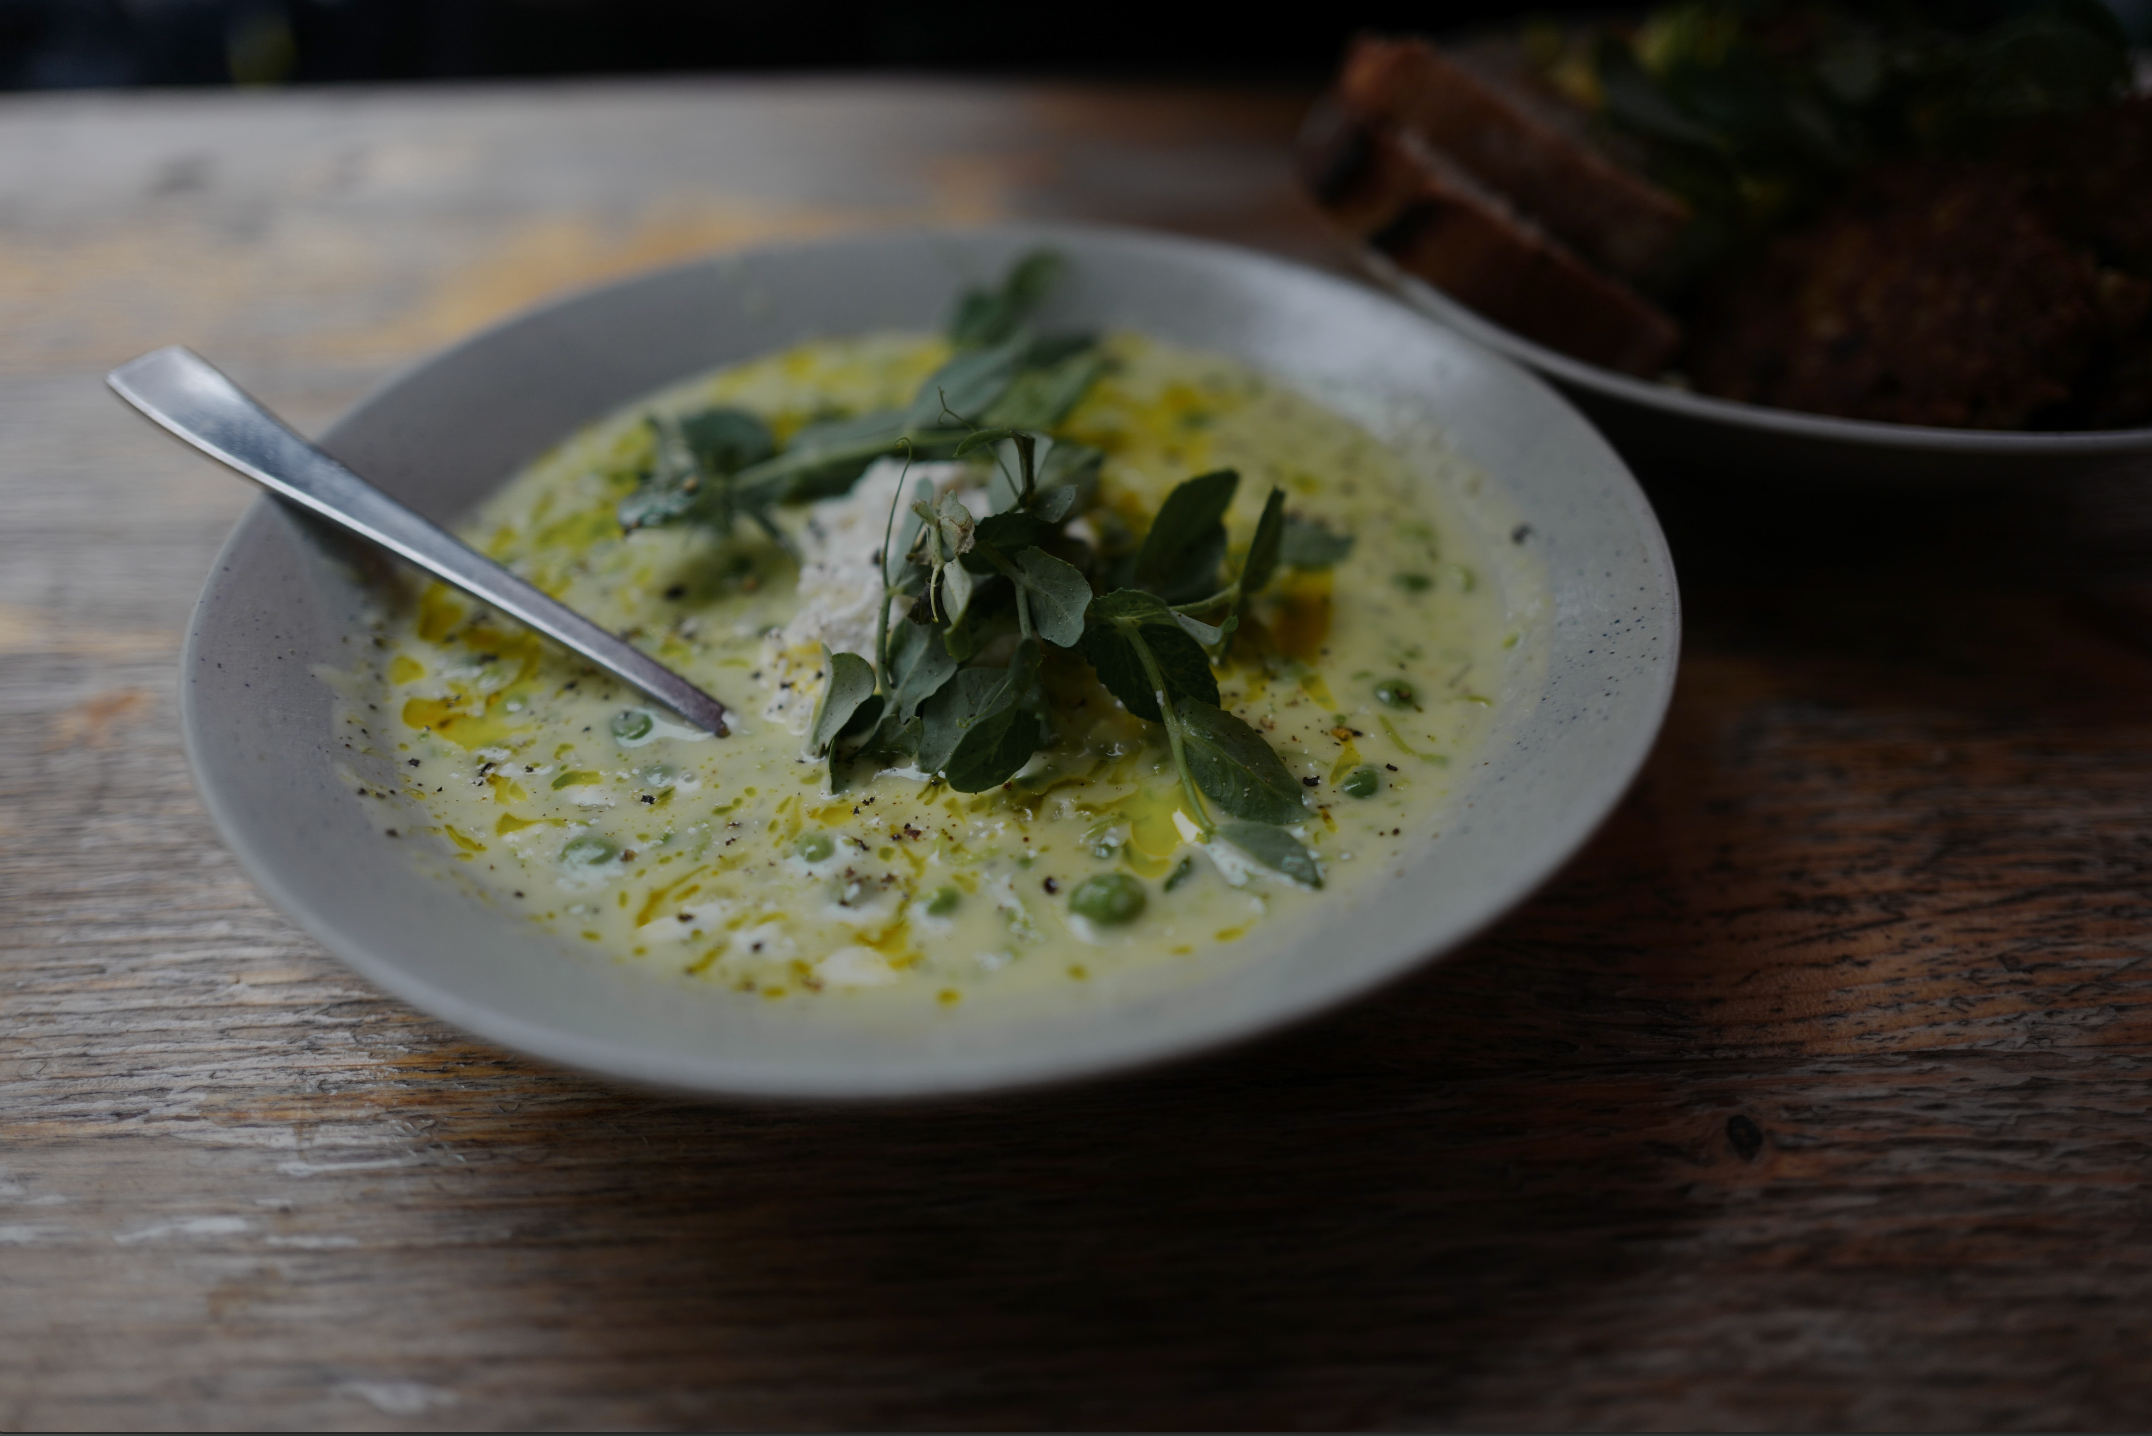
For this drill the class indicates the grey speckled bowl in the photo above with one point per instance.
(1579, 713)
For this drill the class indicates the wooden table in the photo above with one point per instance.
(1812, 1094)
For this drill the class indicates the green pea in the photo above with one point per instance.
(589, 851)
(632, 725)
(1108, 898)
(815, 847)
(1397, 693)
(1413, 582)
(1362, 783)
(1182, 872)
(942, 902)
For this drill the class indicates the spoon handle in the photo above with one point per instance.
(180, 390)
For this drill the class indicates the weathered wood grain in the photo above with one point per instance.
(1815, 1093)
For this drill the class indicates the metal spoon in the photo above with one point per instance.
(180, 390)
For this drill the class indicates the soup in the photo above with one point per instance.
(793, 860)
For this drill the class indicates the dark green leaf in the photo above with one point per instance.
(854, 752)
(1130, 605)
(854, 742)
(1262, 559)
(1179, 557)
(1188, 671)
(674, 488)
(850, 683)
(898, 737)
(919, 664)
(724, 441)
(1200, 631)
(1110, 646)
(988, 316)
(1073, 464)
(968, 700)
(965, 387)
(1048, 350)
(980, 438)
(1011, 531)
(1112, 657)
(824, 459)
(1042, 398)
(1275, 849)
(1059, 596)
(992, 751)
(1053, 505)
(1233, 764)
(1306, 544)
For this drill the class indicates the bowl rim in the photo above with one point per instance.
(1545, 856)
(1735, 413)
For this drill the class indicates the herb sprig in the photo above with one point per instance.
(976, 609)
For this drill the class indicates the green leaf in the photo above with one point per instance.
(898, 737)
(958, 584)
(1262, 560)
(988, 316)
(1275, 849)
(1130, 605)
(1042, 398)
(1306, 544)
(1117, 623)
(1069, 463)
(823, 460)
(725, 441)
(656, 505)
(1179, 557)
(993, 751)
(674, 488)
(850, 684)
(1011, 531)
(1053, 505)
(966, 387)
(979, 439)
(968, 700)
(919, 664)
(856, 738)
(1059, 596)
(1233, 765)
(1200, 631)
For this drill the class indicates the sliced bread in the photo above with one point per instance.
(1519, 145)
(1435, 220)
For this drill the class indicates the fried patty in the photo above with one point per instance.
(1933, 292)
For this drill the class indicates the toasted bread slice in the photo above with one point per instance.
(1519, 147)
(1412, 203)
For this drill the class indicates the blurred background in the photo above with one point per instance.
(56, 44)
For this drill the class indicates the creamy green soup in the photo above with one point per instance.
(731, 861)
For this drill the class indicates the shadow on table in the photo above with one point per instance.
(1354, 1223)
(1728, 528)
(1342, 1227)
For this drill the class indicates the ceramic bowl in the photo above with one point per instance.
(285, 605)
(1663, 429)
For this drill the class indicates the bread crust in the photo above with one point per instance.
(1435, 220)
(1519, 148)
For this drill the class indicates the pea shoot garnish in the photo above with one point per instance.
(977, 608)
